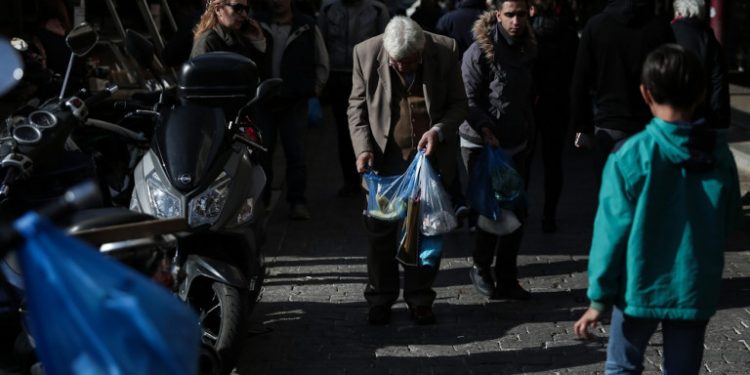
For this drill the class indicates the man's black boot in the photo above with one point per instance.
(482, 280)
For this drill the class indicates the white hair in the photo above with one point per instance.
(690, 8)
(403, 37)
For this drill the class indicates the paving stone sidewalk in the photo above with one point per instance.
(312, 317)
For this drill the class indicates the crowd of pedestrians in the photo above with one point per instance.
(649, 97)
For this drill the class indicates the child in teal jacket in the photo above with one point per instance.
(668, 201)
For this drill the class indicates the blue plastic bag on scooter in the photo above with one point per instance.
(89, 314)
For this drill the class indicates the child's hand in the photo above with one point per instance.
(587, 321)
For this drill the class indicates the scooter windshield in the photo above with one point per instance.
(188, 142)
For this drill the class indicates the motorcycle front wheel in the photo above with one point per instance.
(223, 316)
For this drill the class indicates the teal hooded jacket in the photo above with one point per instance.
(668, 201)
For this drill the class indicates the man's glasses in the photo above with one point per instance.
(519, 14)
(238, 8)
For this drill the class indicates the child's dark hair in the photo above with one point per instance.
(674, 76)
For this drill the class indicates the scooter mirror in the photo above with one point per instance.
(267, 88)
(82, 39)
(11, 66)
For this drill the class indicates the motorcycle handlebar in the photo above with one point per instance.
(130, 106)
(101, 95)
(78, 197)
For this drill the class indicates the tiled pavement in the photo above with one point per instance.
(312, 317)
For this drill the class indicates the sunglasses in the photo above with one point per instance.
(519, 14)
(238, 8)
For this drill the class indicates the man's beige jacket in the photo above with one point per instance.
(370, 103)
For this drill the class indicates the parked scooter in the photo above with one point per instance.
(204, 168)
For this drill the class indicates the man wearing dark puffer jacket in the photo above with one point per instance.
(614, 44)
(497, 71)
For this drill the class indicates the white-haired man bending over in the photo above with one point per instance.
(407, 95)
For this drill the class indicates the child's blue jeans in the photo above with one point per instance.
(628, 338)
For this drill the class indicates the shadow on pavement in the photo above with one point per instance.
(734, 293)
(497, 337)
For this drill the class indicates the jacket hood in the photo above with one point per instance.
(630, 11)
(486, 33)
(691, 146)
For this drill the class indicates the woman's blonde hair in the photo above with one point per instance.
(209, 19)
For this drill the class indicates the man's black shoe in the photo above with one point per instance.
(422, 315)
(379, 315)
(511, 290)
(482, 281)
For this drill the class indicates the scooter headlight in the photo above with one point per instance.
(164, 204)
(206, 207)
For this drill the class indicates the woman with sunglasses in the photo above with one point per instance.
(226, 26)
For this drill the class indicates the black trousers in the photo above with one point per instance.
(338, 88)
(503, 250)
(604, 142)
(383, 269)
(551, 116)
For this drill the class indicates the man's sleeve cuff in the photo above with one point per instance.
(439, 132)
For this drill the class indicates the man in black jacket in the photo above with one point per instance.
(613, 46)
(457, 23)
(693, 33)
(555, 31)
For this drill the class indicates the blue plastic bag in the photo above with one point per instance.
(388, 196)
(89, 314)
(494, 184)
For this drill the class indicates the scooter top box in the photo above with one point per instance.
(217, 77)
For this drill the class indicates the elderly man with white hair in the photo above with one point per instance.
(407, 94)
(693, 32)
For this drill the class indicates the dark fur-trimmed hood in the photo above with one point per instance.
(486, 34)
